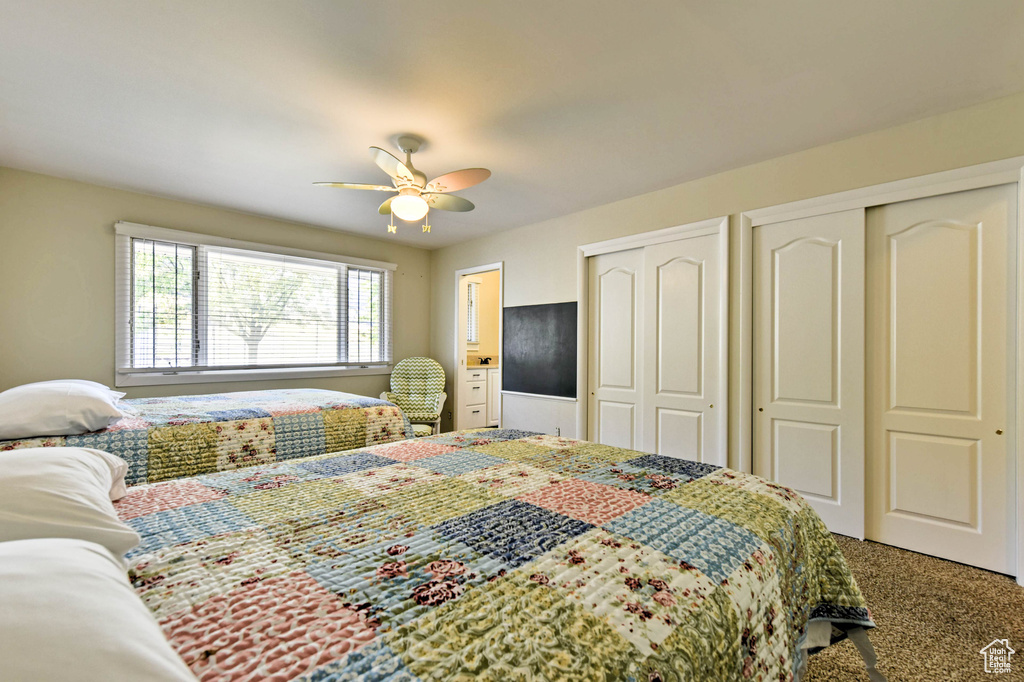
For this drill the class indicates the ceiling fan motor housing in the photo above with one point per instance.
(409, 144)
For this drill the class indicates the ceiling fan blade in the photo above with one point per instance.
(391, 165)
(356, 185)
(447, 202)
(456, 180)
(385, 208)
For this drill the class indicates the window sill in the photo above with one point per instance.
(227, 376)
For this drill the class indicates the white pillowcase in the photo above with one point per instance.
(57, 408)
(63, 493)
(116, 395)
(69, 613)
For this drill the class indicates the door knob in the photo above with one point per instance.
(760, 409)
(999, 432)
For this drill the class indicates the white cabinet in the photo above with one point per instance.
(493, 397)
(475, 393)
(473, 416)
(475, 374)
(479, 398)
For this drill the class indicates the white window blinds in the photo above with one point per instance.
(473, 312)
(195, 307)
(266, 309)
(163, 332)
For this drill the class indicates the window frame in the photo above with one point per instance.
(125, 375)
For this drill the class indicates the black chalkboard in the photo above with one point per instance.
(538, 353)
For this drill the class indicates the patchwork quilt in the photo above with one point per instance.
(165, 438)
(491, 555)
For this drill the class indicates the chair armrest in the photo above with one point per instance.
(441, 397)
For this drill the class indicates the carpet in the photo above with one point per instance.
(933, 618)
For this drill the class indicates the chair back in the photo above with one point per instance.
(417, 386)
(417, 376)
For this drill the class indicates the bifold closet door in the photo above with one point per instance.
(615, 412)
(808, 393)
(940, 295)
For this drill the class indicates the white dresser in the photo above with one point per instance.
(480, 397)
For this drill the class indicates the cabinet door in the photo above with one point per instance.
(809, 362)
(493, 397)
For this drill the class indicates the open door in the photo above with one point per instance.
(477, 381)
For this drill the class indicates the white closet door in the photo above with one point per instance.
(683, 413)
(809, 362)
(940, 477)
(616, 351)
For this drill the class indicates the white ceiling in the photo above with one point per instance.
(571, 103)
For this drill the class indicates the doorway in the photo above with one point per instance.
(477, 381)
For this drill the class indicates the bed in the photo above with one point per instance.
(494, 555)
(172, 437)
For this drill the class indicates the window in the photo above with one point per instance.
(212, 309)
(473, 312)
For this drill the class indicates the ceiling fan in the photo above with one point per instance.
(415, 195)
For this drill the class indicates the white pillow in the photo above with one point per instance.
(116, 395)
(57, 408)
(63, 493)
(69, 613)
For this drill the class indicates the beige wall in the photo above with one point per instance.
(57, 279)
(540, 259)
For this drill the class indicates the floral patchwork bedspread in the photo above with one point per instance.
(165, 438)
(491, 555)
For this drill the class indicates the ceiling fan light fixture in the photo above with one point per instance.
(409, 207)
(415, 195)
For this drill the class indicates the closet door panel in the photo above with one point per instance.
(679, 433)
(680, 326)
(617, 312)
(806, 456)
(951, 465)
(615, 371)
(809, 362)
(940, 474)
(617, 424)
(683, 410)
(805, 279)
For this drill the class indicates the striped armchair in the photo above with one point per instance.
(417, 386)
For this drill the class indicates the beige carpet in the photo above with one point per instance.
(933, 618)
